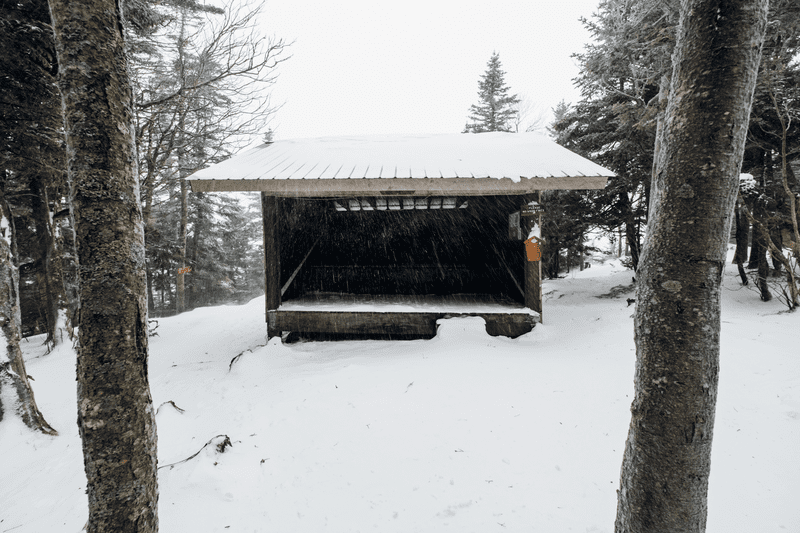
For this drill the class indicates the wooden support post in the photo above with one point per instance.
(533, 269)
(272, 270)
(539, 299)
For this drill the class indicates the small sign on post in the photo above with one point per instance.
(184, 270)
(532, 209)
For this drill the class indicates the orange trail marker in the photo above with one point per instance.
(532, 249)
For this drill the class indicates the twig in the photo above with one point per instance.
(230, 366)
(172, 404)
(220, 448)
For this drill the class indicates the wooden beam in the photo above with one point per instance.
(272, 271)
(400, 186)
(390, 323)
(296, 270)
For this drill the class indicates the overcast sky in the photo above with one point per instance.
(372, 66)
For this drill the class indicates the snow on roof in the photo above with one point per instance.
(483, 155)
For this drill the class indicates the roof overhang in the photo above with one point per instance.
(392, 165)
(400, 186)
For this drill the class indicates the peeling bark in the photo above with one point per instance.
(666, 464)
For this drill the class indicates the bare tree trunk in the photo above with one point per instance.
(180, 285)
(194, 289)
(665, 469)
(631, 233)
(53, 289)
(742, 238)
(12, 365)
(115, 412)
(758, 254)
(147, 216)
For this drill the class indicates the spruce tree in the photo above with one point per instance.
(496, 110)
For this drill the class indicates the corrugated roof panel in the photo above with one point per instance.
(495, 155)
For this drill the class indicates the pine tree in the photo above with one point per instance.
(496, 110)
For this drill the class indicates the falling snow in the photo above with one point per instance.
(465, 431)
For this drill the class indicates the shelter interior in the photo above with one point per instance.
(433, 252)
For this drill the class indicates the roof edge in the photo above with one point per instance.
(399, 186)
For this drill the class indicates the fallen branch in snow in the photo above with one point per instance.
(230, 366)
(617, 291)
(172, 404)
(221, 447)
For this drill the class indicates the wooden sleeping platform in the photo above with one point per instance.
(397, 315)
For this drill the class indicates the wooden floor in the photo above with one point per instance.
(400, 315)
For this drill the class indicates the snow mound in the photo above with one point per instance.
(463, 329)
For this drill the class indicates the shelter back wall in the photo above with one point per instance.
(420, 251)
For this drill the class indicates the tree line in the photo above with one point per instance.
(200, 77)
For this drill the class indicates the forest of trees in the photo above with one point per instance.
(200, 78)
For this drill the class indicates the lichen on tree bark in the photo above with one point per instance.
(666, 464)
(115, 413)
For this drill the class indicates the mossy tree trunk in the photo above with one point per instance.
(115, 413)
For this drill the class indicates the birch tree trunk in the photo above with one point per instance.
(665, 469)
(115, 413)
(12, 367)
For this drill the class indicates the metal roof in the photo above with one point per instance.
(399, 157)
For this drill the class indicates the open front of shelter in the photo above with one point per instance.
(384, 235)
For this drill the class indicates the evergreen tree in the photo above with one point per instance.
(616, 120)
(496, 110)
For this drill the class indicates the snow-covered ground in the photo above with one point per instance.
(464, 432)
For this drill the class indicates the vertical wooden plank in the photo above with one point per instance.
(533, 269)
(272, 285)
(539, 269)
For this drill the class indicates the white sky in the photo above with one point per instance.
(365, 67)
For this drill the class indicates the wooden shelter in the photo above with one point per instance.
(387, 234)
